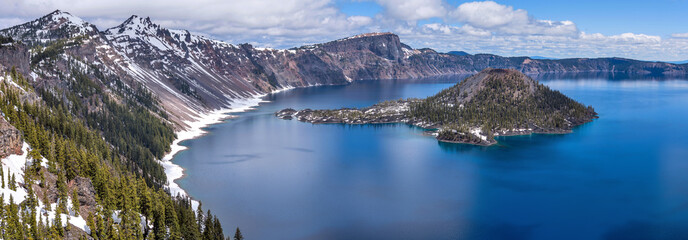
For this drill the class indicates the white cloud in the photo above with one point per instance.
(627, 45)
(413, 10)
(489, 14)
(475, 27)
(243, 21)
(499, 18)
(627, 38)
(438, 28)
(680, 35)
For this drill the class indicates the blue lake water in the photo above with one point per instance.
(623, 176)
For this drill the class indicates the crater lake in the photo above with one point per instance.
(622, 176)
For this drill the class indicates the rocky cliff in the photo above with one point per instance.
(189, 75)
(10, 139)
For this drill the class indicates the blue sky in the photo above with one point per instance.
(659, 17)
(647, 30)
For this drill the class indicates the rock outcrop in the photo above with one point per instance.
(10, 139)
(87, 195)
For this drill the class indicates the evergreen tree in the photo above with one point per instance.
(13, 186)
(219, 234)
(57, 223)
(171, 221)
(159, 228)
(3, 216)
(111, 147)
(46, 201)
(208, 225)
(237, 235)
(199, 216)
(13, 226)
(75, 203)
(62, 192)
(92, 225)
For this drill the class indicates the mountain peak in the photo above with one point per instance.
(135, 25)
(66, 18)
(472, 85)
(57, 11)
(136, 20)
(55, 25)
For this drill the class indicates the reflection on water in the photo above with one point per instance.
(459, 147)
(601, 83)
(610, 76)
(619, 177)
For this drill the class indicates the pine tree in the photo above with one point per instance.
(92, 225)
(171, 221)
(75, 203)
(219, 234)
(3, 216)
(62, 191)
(199, 217)
(41, 228)
(13, 226)
(159, 228)
(41, 178)
(237, 235)
(12, 186)
(46, 201)
(208, 231)
(57, 223)
(108, 147)
(146, 202)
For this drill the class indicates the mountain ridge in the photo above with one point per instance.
(103, 107)
(191, 75)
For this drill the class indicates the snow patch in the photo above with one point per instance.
(195, 130)
(477, 132)
(14, 165)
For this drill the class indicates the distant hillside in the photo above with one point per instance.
(458, 53)
(542, 58)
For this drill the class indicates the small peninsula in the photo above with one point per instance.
(493, 102)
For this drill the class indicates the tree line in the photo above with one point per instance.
(113, 156)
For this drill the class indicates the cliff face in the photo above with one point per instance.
(10, 139)
(189, 75)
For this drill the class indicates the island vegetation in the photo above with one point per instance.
(494, 102)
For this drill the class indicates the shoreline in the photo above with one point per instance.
(195, 130)
(429, 130)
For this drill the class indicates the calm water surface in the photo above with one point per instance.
(623, 176)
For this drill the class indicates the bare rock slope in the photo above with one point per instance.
(188, 75)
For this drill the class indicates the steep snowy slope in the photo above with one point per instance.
(191, 75)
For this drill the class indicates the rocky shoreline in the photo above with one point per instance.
(396, 112)
(452, 115)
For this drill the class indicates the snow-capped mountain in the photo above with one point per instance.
(189, 74)
(54, 26)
